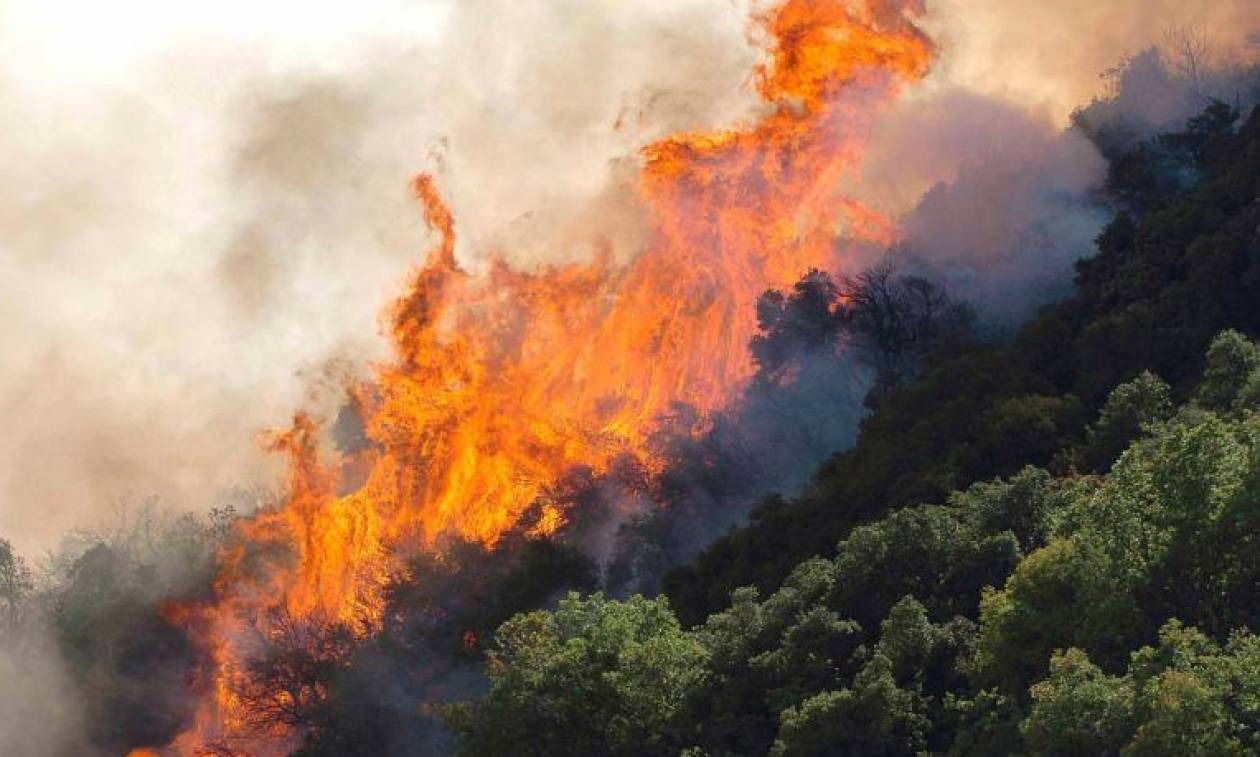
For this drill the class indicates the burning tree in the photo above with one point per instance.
(502, 383)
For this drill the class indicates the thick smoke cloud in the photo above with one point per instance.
(39, 711)
(199, 211)
(1048, 57)
(996, 196)
(1005, 203)
(188, 238)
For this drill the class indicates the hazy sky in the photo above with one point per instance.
(201, 204)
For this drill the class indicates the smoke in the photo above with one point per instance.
(202, 207)
(39, 710)
(193, 227)
(1048, 57)
(1004, 217)
(997, 198)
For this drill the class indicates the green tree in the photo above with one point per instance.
(1078, 710)
(1131, 407)
(1066, 594)
(1232, 360)
(1194, 698)
(875, 717)
(929, 551)
(766, 654)
(593, 676)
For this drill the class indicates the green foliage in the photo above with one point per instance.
(1169, 276)
(591, 677)
(1193, 697)
(1078, 709)
(1232, 361)
(1065, 594)
(875, 717)
(928, 551)
(1130, 408)
(1187, 695)
(1004, 621)
(764, 653)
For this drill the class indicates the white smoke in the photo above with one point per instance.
(197, 213)
(202, 204)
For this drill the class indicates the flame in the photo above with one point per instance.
(502, 382)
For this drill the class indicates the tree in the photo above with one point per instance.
(15, 583)
(287, 679)
(1130, 408)
(927, 551)
(888, 706)
(896, 321)
(1193, 697)
(593, 676)
(875, 718)
(1065, 594)
(131, 665)
(804, 321)
(1078, 709)
(1232, 361)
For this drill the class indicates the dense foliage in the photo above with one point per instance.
(1073, 614)
(1087, 584)
(1161, 286)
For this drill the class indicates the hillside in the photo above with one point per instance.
(1083, 580)
(1170, 274)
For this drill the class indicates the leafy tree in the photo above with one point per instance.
(131, 665)
(763, 654)
(1078, 709)
(1232, 360)
(926, 551)
(875, 717)
(1065, 594)
(808, 319)
(1131, 407)
(1192, 697)
(591, 677)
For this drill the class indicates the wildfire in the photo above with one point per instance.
(503, 382)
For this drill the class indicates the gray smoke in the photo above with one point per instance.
(1023, 207)
(40, 715)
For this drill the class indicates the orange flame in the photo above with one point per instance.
(502, 383)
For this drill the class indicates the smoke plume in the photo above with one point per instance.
(200, 210)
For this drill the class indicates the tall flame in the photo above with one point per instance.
(502, 382)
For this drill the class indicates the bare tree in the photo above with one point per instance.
(895, 321)
(297, 658)
(1189, 53)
